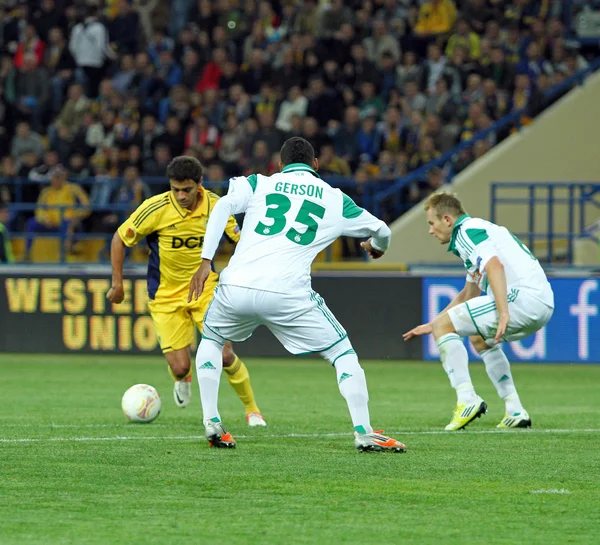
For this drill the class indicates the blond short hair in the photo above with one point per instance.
(444, 203)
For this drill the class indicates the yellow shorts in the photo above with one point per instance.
(174, 318)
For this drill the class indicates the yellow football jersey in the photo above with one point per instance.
(175, 237)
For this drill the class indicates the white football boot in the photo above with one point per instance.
(182, 392)
(377, 442)
(255, 420)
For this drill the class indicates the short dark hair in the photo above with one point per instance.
(297, 150)
(185, 168)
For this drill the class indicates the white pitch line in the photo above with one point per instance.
(286, 435)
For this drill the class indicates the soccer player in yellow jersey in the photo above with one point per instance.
(174, 225)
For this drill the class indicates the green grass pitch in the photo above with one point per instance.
(72, 470)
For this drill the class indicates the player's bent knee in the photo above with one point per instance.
(228, 354)
(338, 350)
(442, 325)
(179, 362)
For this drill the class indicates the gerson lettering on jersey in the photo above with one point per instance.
(299, 189)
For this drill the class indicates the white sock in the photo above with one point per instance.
(498, 369)
(455, 361)
(209, 364)
(353, 387)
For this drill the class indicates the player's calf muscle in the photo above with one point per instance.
(228, 355)
(179, 362)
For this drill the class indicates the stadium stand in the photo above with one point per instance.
(111, 91)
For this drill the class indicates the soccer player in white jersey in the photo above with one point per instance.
(290, 217)
(518, 302)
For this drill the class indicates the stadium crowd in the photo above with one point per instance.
(110, 91)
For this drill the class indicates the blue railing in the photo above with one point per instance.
(566, 203)
(393, 192)
(363, 194)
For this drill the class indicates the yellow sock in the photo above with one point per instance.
(187, 378)
(237, 375)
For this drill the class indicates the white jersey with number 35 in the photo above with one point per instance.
(290, 217)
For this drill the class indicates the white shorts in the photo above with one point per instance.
(301, 321)
(479, 316)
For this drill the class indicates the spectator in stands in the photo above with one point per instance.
(345, 141)
(101, 135)
(464, 37)
(60, 64)
(425, 153)
(295, 104)
(264, 71)
(89, 45)
(31, 46)
(414, 100)
(369, 140)
(232, 144)
(78, 166)
(330, 163)
(50, 217)
(391, 130)
(42, 172)
(8, 172)
(6, 253)
(500, 71)
(331, 17)
(434, 67)
(261, 160)
(522, 92)
(146, 137)
(25, 140)
(380, 42)
(46, 17)
(436, 18)
(386, 166)
(124, 29)
(409, 70)
(6, 123)
(444, 136)
(157, 166)
(440, 102)
(72, 113)
(267, 132)
(534, 64)
(478, 13)
(29, 92)
(132, 191)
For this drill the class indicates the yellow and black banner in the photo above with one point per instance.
(57, 314)
(61, 313)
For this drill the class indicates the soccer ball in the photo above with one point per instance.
(141, 403)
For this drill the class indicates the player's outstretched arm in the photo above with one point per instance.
(359, 223)
(497, 281)
(214, 231)
(117, 257)
(468, 292)
(198, 280)
(378, 243)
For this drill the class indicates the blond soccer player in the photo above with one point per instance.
(518, 301)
